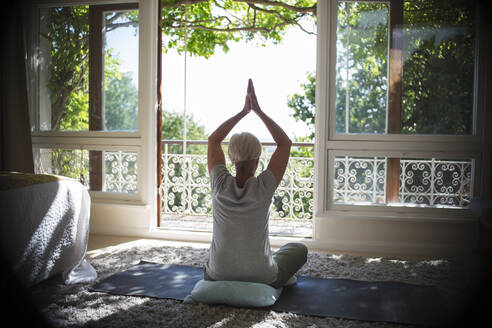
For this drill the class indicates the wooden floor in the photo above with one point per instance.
(97, 242)
(292, 228)
(278, 227)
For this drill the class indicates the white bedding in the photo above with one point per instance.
(45, 229)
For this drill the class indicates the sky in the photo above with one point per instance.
(216, 87)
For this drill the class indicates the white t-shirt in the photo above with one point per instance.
(240, 248)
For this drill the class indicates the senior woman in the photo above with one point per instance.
(240, 248)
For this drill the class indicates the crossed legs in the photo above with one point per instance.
(290, 258)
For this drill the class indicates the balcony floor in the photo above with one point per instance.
(278, 227)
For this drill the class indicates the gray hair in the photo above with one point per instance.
(243, 147)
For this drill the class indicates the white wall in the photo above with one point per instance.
(369, 235)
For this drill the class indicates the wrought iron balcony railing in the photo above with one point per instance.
(425, 182)
(357, 180)
(186, 184)
(119, 171)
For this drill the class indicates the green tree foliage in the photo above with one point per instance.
(120, 103)
(75, 115)
(304, 106)
(438, 53)
(68, 37)
(173, 129)
(212, 24)
(362, 50)
(439, 67)
(205, 25)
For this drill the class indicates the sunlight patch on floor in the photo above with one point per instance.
(374, 259)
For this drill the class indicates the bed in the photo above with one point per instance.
(45, 227)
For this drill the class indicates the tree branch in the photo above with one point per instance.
(273, 12)
(241, 24)
(178, 3)
(111, 19)
(226, 10)
(304, 30)
(288, 21)
(190, 23)
(229, 29)
(311, 9)
(111, 27)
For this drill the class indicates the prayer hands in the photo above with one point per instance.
(251, 103)
(252, 97)
(247, 105)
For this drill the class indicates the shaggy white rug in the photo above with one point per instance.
(72, 306)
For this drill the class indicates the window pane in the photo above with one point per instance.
(116, 171)
(64, 68)
(120, 171)
(427, 182)
(362, 67)
(435, 182)
(438, 67)
(71, 163)
(437, 40)
(120, 70)
(359, 180)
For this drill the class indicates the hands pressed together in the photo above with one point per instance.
(251, 103)
(278, 160)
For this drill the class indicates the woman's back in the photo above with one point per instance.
(240, 248)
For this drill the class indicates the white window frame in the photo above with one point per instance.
(141, 141)
(329, 144)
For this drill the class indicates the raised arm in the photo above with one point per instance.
(215, 154)
(280, 158)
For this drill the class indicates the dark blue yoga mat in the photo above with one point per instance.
(342, 298)
(152, 279)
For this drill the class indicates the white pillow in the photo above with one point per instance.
(236, 293)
